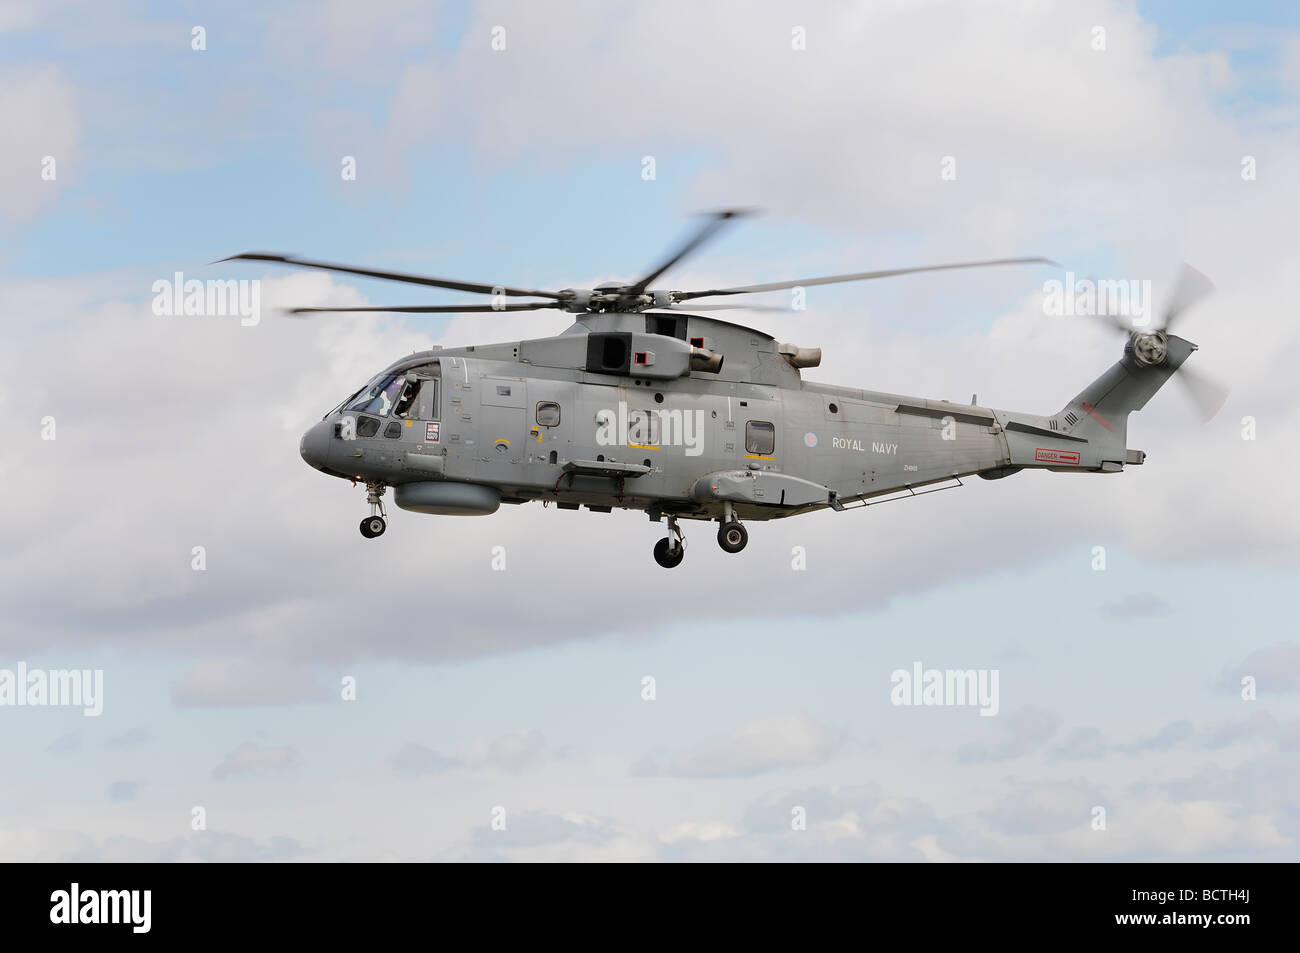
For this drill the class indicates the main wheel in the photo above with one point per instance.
(668, 558)
(732, 537)
(373, 526)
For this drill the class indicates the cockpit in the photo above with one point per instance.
(379, 395)
(412, 394)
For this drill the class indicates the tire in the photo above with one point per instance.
(373, 526)
(666, 558)
(732, 537)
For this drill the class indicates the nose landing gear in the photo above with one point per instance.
(670, 550)
(375, 524)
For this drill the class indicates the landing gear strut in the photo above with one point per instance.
(374, 524)
(732, 536)
(670, 550)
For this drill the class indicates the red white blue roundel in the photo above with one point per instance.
(810, 439)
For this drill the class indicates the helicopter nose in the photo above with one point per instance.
(315, 444)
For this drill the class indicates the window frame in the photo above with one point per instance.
(655, 433)
(749, 438)
(537, 412)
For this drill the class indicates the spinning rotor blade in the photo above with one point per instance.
(738, 307)
(1192, 287)
(710, 228)
(395, 276)
(1206, 393)
(436, 308)
(860, 276)
(1121, 324)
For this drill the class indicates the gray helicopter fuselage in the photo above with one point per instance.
(633, 411)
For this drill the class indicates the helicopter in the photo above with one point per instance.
(645, 403)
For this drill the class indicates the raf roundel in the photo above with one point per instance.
(810, 439)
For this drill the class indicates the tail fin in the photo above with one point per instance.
(1090, 433)
(1100, 412)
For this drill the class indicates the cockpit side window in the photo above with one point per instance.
(408, 401)
(428, 402)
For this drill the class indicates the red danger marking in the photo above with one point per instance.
(1056, 456)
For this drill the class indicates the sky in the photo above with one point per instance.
(295, 692)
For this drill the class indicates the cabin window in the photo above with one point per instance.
(393, 430)
(643, 428)
(367, 426)
(760, 437)
(548, 413)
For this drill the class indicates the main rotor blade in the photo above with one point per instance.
(738, 307)
(860, 276)
(706, 231)
(436, 308)
(394, 276)
(1192, 286)
(1204, 391)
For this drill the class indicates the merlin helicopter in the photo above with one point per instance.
(644, 403)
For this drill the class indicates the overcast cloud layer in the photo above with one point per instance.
(182, 432)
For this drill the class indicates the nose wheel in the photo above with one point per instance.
(374, 524)
(671, 550)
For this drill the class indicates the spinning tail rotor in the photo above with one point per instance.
(1151, 348)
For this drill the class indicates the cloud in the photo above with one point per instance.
(1082, 742)
(38, 111)
(415, 760)
(43, 844)
(1259, 726)
(849, 822)
(516, 752)
(131, 738)
(1275, 669)
(540, 829)
(65, 744)
(123, 790)
(1171, 735)
(1044, 807)
(1025, 732)
(754, 747)
(1091, 155)
(1136, 606)
(257, 759)
(512, 753)
(248, 681)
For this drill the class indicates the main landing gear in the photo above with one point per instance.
(732, 536)
(670, 550)
(374, 524)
